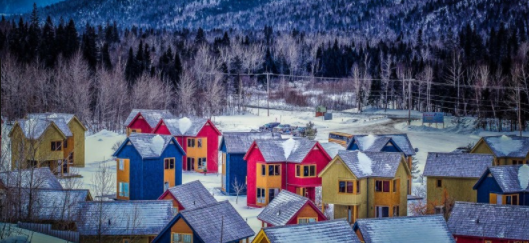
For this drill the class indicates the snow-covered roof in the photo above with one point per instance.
(192, 195)
(52, 204)
(239, 142)
(51, 115)
(149, 145)
(281, 210)
(510, 178)
(457, 164)
(41, 178)
(185, 126)
(332, 148)
(207, 221)
(152, 117)
(489, 221)
(285, 150)
(432, 229)
(371, 164)
(34, 128)
(13, 234)
(124, 217)
(508, 146)
(375, 143)
(331, 231)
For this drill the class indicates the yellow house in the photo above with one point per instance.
(38, 143)
(326, 231)
(507, 150)
(74, 146)
(366, 185)
(453, 176)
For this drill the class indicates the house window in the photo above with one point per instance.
(439, 183)
(199, 142)
(56, 146)
(349, 187)
(135, 131)
(261, 195)
(439, 209)
(190, 142)
(65, 143)
(123, 189)
(305, 170)
(307, 220)
(202, 163)
(511, 199)
(274, 170)
(385, 186)
(121, 164)
(181, 238)
(32, 164)
(341, 186)
(169, 163)
(395, 185)
(298, 170)
(395, 211)
(357, 187)
(263, 170)
(346, 187)
(381, 212)
(272, 193)
(378, 186)
(382, 186)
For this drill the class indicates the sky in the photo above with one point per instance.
(22, 6)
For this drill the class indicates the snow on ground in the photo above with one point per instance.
(426, 139)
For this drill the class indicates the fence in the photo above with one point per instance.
(46, 229)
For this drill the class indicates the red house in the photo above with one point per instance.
(200, 139)
(274, 165)
(289, 208)
(489, 223)
(144, 121)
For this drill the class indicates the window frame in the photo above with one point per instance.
(199, 142)
(439, 183)
(169, 163)
(56, 146)
(307, 220)
(376, 211)
(300, 171)
(181, 235)
(121, 164)
(121, 186)
(396, 211)
(263, 170)
(262, 198)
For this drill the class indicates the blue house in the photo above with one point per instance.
(508, 184)
(233, 147)
(147, 165)
(216, 222)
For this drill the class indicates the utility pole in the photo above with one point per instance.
(268, 92)
(409, 102)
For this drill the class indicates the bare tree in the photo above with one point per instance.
(238, 188)
(454, 76)
(186, 93)
(385, 74)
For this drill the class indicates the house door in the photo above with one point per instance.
(350, 214)
(190, 164)
(64, 165)
(381, 212)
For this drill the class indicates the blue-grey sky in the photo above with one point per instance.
(22, 6)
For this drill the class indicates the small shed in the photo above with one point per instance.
(320, 110)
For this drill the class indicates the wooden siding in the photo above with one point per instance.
(196, 152)
(210, 132)
(181, 227)
(169, 196)
(78, 131)
(122, 176)
(460, 189)
(169, 174)
(261, 238)
(306, 212)
(483, 148)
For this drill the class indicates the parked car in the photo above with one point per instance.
(299, 132)
(283, 128)
(269, 126)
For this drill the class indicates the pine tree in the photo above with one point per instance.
(33, 35)
(71, 41)
(107, 64)
(200, 38)
(177, 68)
(89, 47)
(130, 68)
(47, 50)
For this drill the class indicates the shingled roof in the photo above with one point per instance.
(185, 126)
(284, 206)
(459, 165)
(152, 117)
(239, 142)
(285, 150)
(35, 128)
(191, 195)
(508, 146)
(375, 143)
(149, 145)
(53, 204)
(371, 164)
(404, 229)
(509, 177)
(490, 221)
(207, 221)
(124, 217)
(42, 177)
(332, 231)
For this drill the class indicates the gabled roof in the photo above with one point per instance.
(371, 164)
(239, 142)
(35, 128)
(191, 195)
(284, 207)
(509, 177)
(152, 117)
(149, 145)
(508, 146)
(375, 143)
(490, 221)
(285, 150)
(186, 126)
(49, 204)
(53, 116)
(457, 164)
(124, 217)
(41, 178)
(207, 222)
(332, 231)
(332, 148)
(433, 229)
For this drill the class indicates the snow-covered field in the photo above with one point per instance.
(426, 139)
